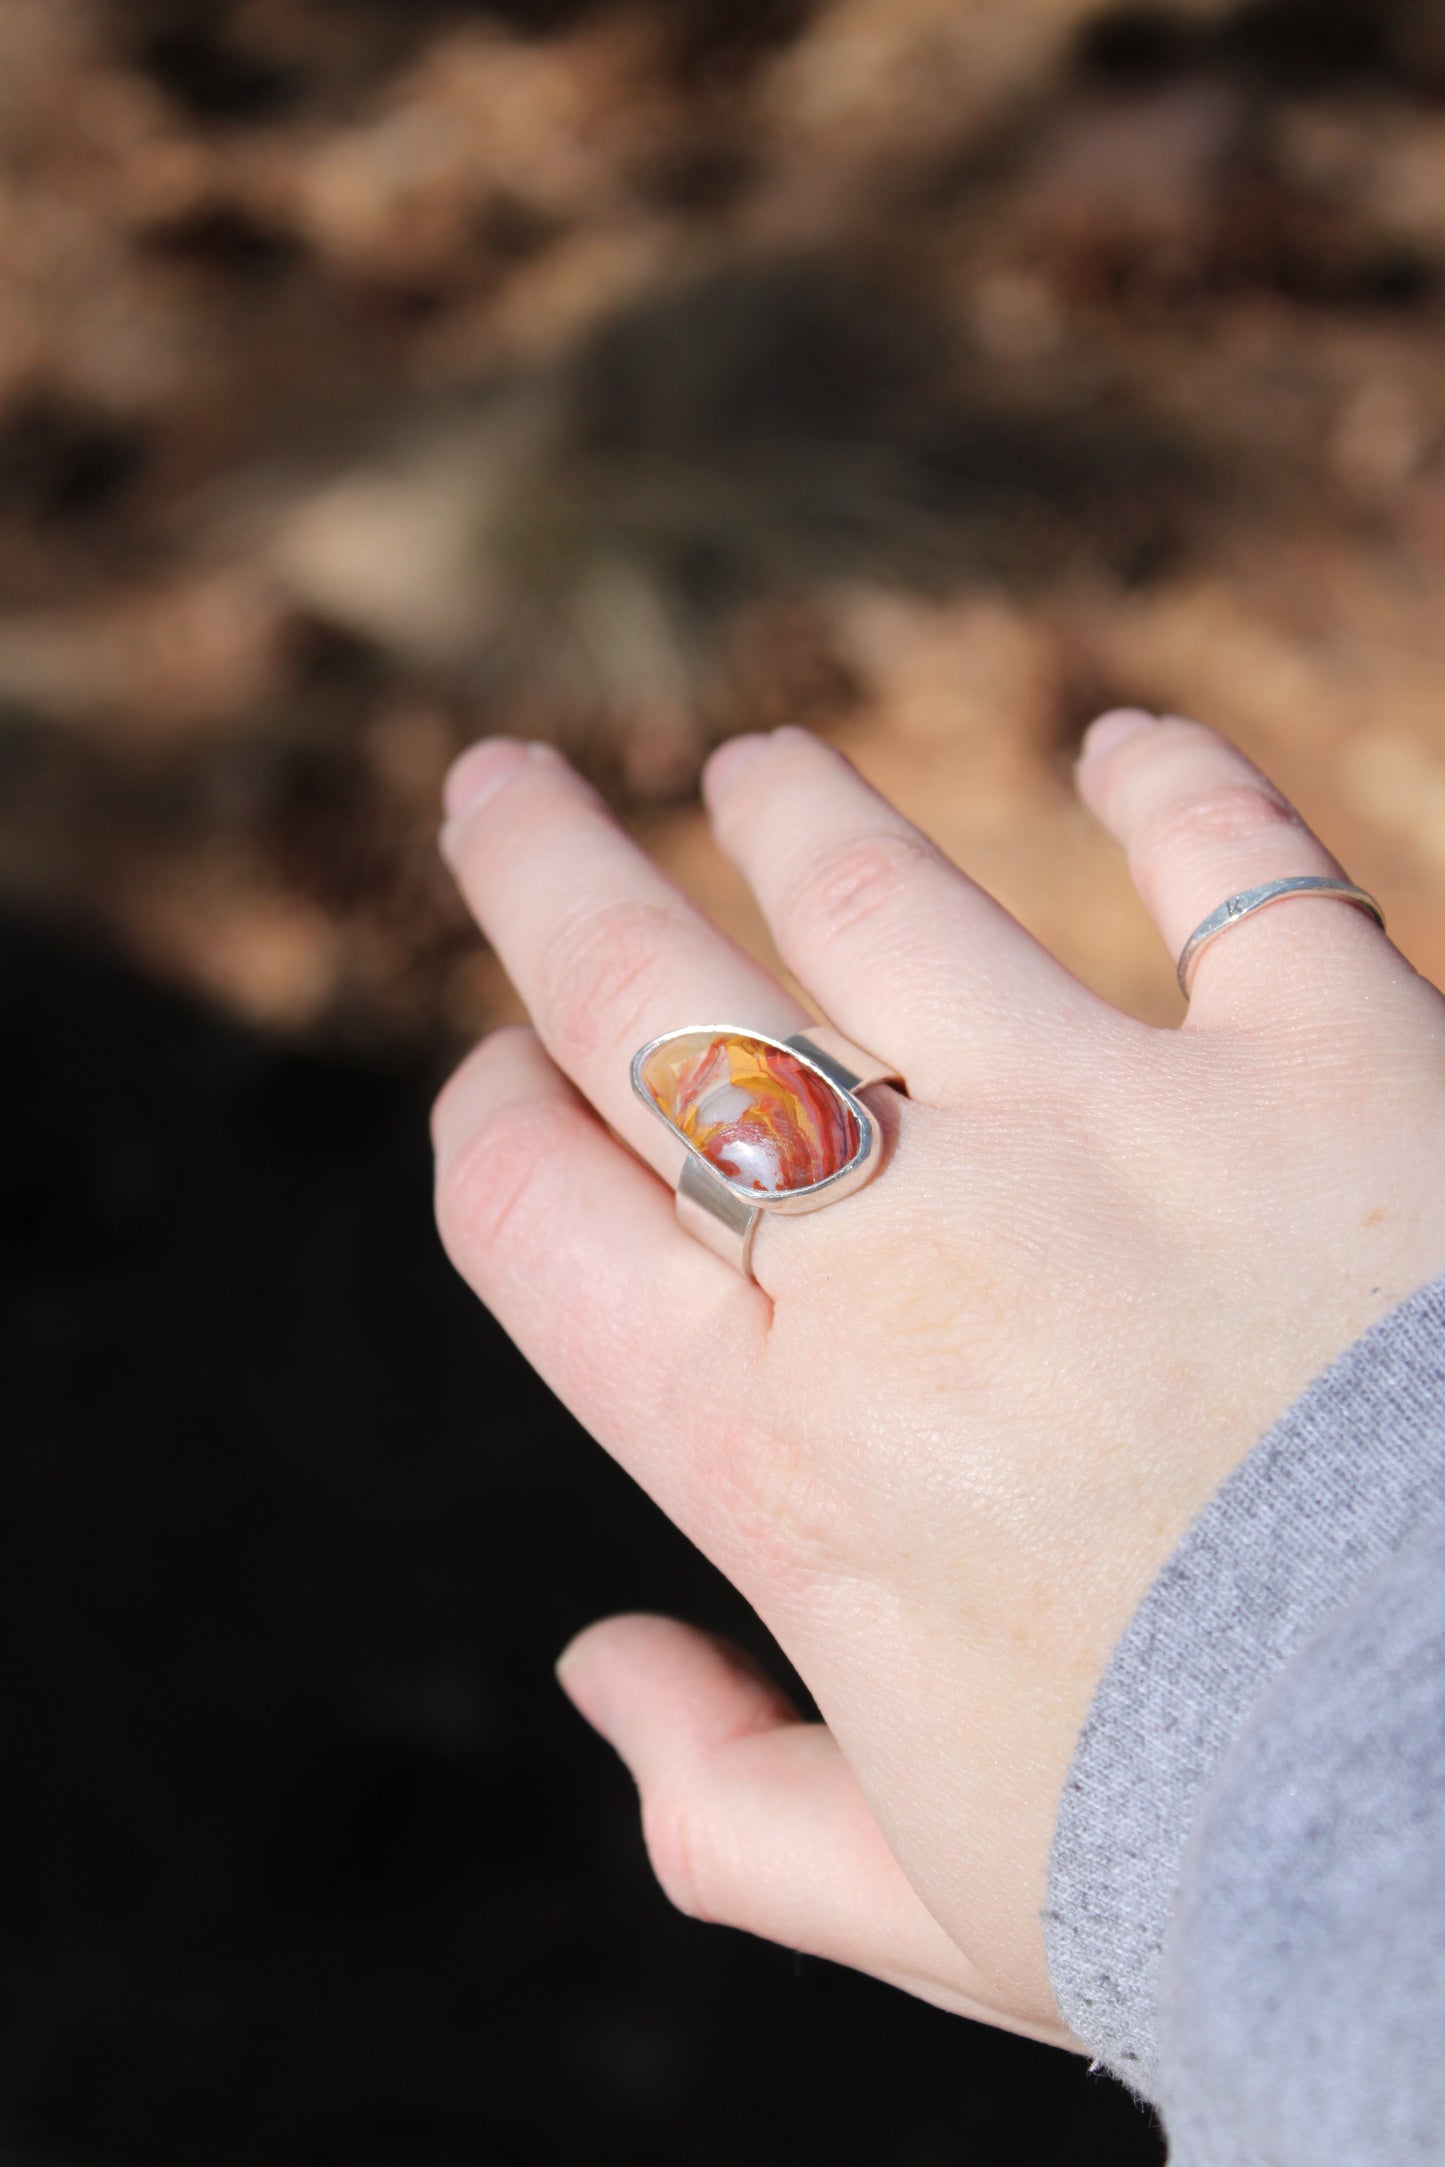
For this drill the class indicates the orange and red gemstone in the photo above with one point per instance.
(759, 1114)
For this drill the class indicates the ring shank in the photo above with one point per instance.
(841, 1061)
(1234, 908)
(722, 1222)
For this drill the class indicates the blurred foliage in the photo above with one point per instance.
(375, 376)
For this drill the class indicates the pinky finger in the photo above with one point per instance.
(754, 1820)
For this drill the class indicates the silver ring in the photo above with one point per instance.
(758, 1124)
(1249, 900)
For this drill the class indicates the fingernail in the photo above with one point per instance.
(1112, 729)
(581, 1688)
(728, 762)
(476, 773)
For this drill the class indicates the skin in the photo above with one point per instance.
(948, 1439)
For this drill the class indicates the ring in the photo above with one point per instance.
(1249, 900)
(759, 1124)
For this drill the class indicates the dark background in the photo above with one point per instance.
(372, 375)
(303, 1857)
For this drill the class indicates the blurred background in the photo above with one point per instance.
(375, 373)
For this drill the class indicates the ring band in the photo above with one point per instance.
(759, 1124)
(1249, 900)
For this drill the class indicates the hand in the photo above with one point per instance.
(946, 1442)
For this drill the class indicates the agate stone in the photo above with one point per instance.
(767, 1121)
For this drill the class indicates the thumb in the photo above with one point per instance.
(753, 1819)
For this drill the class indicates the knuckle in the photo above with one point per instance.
(1225, 813)
(601, 974)
(491, 1175)
(853, 881)
(677, 1849)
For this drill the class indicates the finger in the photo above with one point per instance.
(1200, 824)
(753, 1819)
(575, 1248)
(903, 952)
(603, 949)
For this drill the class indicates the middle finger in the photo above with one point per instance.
(908, 955)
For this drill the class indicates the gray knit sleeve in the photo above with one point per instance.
(1207, 1696)
(1303, 1982)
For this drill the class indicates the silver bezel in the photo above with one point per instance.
(849, 1177)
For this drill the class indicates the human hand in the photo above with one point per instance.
(948, 1439)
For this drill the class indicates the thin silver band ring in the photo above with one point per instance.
(1249, 900)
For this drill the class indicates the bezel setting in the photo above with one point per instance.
(838, 1079)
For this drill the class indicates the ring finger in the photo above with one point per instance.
(603, 949)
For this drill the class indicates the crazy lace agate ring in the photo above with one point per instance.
(759, 1124)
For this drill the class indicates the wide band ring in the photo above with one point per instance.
(1249, 900)
(759, 1124)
